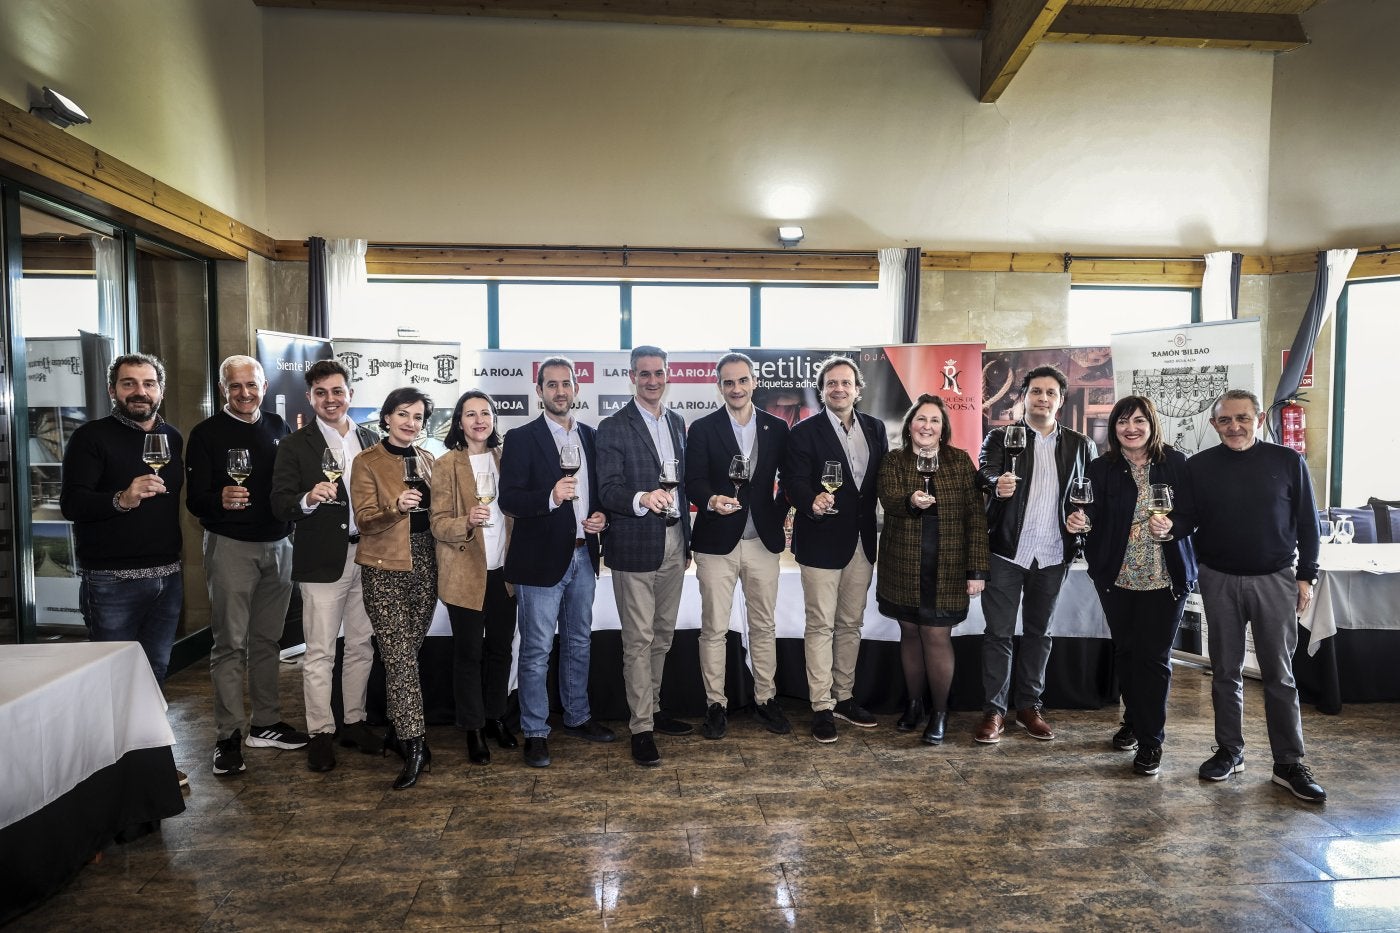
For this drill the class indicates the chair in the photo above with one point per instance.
(1387, 518)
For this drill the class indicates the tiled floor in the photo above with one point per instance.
(762, 832)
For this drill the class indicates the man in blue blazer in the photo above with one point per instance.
(738, 536)
(833, 538)
(553, 558)
(647, 548)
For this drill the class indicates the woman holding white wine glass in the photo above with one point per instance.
(472, 536)
(399, 569)
(1142, 577)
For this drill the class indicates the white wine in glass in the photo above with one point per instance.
(831, 481)
(1159, 502)
(240, 465)
(486, 493)
(332, 467)
(156, 452)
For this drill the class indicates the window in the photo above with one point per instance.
(1365, 446)
(1096, 311)
(560, 316)
(690, 317)
(438, 309)
(824, 316)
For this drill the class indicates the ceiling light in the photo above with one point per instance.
(790, 235)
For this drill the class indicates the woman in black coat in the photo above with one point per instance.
(1142, 581)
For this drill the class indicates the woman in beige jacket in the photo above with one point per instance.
(472, 535)
(399, 569)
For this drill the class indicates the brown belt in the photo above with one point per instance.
(580, 542)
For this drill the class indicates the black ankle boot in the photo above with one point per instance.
(391, 743)
(498, 730)
(417, 759)
(477, 752)
(913, 713)
(933, 732)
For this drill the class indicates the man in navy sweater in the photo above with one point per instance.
(1253, 511)
(126, 516)
(247, 562)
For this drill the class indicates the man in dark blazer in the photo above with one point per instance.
(553, 558)
(646, 547)
(833, 538)
(738, 536)
(323, 563)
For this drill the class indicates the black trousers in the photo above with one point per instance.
(1143, 624)
(481, 653)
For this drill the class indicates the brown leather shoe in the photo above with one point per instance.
(1035, 724)
(989, 732)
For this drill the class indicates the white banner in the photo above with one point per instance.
(378, 367)
(1184, 369)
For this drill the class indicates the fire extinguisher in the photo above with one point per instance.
(1294, 420)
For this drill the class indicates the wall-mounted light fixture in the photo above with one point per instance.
(59, 110)
(790, 235)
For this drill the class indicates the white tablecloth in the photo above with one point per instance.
(66, 712)
(1077, 615)
(1358, 587)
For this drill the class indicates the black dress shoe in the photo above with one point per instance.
(417, 759)
(537, 751)
(913, 714)
(477, 752)
(360, 735)
(716, 722)
(667, 724)
(590, 730)
(644, 750)
(498, 730)
(320, 752)
(933, 732)
(770, 713)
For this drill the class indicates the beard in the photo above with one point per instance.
(125, 410)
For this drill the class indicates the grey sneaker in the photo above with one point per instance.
(1221, 765)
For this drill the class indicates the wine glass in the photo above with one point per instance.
(571, 461)
(831, 481)
(416, 472)
(240, 465)
(1081, 493)
(739, 470)
(1345, 531)
(926, 463)
(156, 452)
(486, 493)
(669, 480)
(333, 465)
(1325, 530)
(1159, 502)
(1014, 442)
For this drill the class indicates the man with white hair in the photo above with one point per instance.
(247, 561)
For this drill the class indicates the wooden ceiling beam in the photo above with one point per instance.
(1204, 29)
(1013, 29)
(961, 18)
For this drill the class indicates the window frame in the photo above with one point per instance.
(1195, 292)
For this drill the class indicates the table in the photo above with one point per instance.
(1349, 638)
(1079, 675)
(86, 761)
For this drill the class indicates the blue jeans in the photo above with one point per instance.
(569, 605)
(147, 611)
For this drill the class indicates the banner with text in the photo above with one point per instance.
(896, 375)
(285, 358)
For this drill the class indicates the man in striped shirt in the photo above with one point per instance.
(1031, 550)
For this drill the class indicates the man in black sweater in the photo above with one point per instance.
(247, 562)
(126, 517)
(1252, 512)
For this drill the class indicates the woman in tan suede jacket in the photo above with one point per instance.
(472, 537)
(399, 567)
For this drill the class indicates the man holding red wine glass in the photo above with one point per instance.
(1025, 471)
(549, 486)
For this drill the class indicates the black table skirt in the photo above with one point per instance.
(121, 802)
(1079, 676)
(1352, 666)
